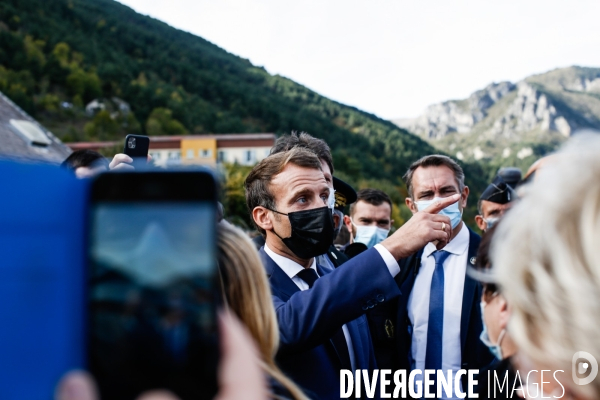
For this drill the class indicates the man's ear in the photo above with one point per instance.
(411, 205)
(348, 223)
(262, 218)
(463, 197)
(480, 222)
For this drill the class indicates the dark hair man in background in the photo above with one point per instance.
(497, 198)
(495, 315)
(344, 194)
(369, 223)
(318, 311)
(370, 217)
(439, 314)
(332, 258)
(86, 163)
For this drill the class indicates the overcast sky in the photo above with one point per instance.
(394, 57)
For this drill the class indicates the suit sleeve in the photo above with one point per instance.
(311, 317)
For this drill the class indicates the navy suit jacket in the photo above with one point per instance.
(475, 355)
(308, 319)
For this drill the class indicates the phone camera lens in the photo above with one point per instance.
(131, 143)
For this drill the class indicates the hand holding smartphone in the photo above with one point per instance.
(136, 147)
(151, 287)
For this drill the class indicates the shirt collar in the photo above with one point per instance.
(457, 246)
(291, 268)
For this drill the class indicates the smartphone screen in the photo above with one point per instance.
(152, 321)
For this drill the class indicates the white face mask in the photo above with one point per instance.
(491, 222)
(331, 199)
(495, 349)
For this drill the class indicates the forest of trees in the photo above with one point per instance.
(57, 56)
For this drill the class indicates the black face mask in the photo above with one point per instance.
(312, 232)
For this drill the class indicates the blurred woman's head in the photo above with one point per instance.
(245, 287)
(247, 293)
(547, 260)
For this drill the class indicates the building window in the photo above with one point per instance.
(174, 155)
(155, 156)
(204, 153)
(249, 155)
(221, 156)
(190, 154)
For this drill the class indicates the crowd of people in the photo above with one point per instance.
(433, 295)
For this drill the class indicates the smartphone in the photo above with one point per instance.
(136, 147)
(153, 284)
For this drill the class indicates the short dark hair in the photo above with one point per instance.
(434, 160)
(84, 158)
(375, 197)
(257, 185)
(303, 139)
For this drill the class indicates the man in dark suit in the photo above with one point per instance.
(369, 223)
(439, 317)
(321, 313)
(344, 194)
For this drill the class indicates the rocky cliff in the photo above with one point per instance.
(513, 123)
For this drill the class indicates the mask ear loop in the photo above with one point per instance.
(273, 230)
(354, 225)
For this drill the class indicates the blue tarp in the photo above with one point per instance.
(42, 261)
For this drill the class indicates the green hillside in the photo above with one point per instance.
(56, 56)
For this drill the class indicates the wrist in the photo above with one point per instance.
(396, 247)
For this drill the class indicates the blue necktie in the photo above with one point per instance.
(435, 326)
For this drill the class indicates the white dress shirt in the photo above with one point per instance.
(291, 269)
(455, 269)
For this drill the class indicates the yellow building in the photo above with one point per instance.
(240, 148)
(199, 151)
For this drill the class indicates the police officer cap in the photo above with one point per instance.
(344, 194)
(502, 188)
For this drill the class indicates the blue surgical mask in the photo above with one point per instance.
(491, 222)
(452, 211)
(370, 235)
(495, 349)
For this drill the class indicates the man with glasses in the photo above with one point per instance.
(497, 380)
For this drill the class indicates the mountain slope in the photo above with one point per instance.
(57, 56)
(151, 65)
(512, 124)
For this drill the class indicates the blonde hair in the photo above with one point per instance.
(546, 256)
(248, 295)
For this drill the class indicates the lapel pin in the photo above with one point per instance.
(472, 260)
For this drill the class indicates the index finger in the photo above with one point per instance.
(120, 158)
(441, 204)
